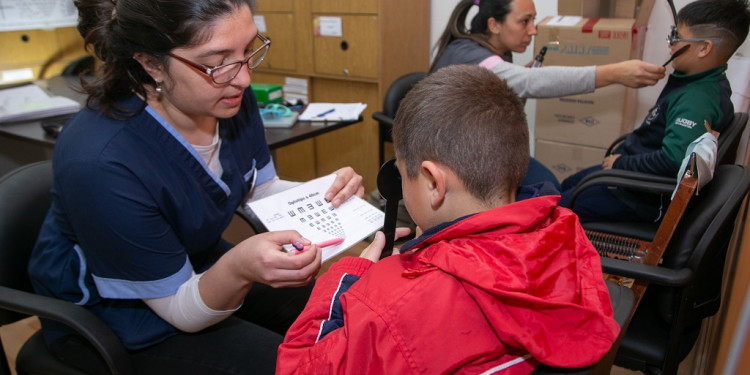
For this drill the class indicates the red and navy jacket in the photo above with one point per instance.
(497, 291)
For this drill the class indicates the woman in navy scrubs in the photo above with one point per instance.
(146, 180)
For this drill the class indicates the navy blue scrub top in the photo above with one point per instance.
(136, 211)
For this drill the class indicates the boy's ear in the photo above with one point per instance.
(436, 182)
(151, 65)
(705, 48)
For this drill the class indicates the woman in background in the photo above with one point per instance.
(501, 27)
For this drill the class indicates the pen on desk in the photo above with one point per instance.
(326, 112)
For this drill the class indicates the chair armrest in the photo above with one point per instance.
(651, 274)
(75, 317)
(382, 118)
(251, 219)
(633, 175)
(638, 181)
(615, 143)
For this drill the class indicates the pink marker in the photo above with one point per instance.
(331, 242)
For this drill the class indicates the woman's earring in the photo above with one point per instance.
(158, 88)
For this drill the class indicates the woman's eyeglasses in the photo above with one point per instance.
(222, 74)
(275, 112)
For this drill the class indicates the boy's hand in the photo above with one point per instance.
(630, 73)
(609, 161)
(373, 251)
(708, 129)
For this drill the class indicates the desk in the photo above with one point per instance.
(32, 134)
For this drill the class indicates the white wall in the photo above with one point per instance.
(656, 50)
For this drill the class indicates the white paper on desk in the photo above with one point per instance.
(303, 208)
(341, 111)
(44, 14)
(29, 102)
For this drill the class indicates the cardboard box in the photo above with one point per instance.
(594, 119)
(267, 93)
(564, 159)
(583, 8)
(600, 8)
(589, 41)
(625, 8)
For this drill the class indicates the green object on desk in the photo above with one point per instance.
(267, 93)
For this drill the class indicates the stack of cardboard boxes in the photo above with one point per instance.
(574, 132)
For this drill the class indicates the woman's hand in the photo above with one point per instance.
(631, 73)
(263, 259)
(347, 183)
(373, 251)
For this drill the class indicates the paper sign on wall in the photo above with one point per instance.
(328, 26)
(260, 23)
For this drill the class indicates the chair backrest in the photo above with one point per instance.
(397, 90)
(24, 201)
(701, 241)
(729, 139)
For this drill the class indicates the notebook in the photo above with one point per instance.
(31, 102)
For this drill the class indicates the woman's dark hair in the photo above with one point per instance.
(456, 28)
(114, 30)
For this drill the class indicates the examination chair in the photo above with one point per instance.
(24, 200)
(686, 287)
(396, 91)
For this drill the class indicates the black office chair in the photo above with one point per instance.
(24, 200)
(728, 145)
(84, 65)
(396, 91)
(686, 287)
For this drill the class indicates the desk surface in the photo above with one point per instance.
(275, 137)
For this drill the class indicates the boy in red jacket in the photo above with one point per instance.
(502, 279)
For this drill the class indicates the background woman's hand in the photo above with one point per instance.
(373, 251)
(631, 73)
(346, 184)
(263, 259)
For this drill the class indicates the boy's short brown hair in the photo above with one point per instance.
(468, 119)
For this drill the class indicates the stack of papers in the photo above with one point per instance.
(332, 111)
(31, 102)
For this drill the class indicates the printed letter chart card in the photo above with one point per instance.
(303, 208)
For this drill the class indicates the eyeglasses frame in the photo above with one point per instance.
(208, 70)
(673, 38)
